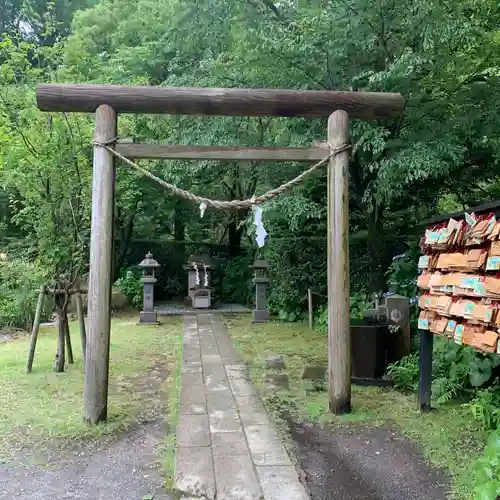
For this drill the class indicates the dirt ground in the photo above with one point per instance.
(360, 463)
(126, 469)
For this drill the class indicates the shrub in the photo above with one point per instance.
(487, 470)
(485, 407)
(20, 283)
(404, 373)
(235, 284)
(454, 369)
(131, 286)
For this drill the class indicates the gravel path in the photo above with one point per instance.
(361, 463)
(126, 469)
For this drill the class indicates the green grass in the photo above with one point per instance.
(448, 436)
(45, 405)
(173, 394)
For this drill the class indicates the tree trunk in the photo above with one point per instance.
(235, 234)
(378, 256)
(180, 233)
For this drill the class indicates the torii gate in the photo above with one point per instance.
(109, 100)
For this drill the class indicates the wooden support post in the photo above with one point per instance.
(81, 320)
(69, 347)
(310, 307)
(425, 370)
(339, 335)
(34, 331)
(99, 296)
(61, 334)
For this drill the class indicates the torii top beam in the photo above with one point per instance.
(215, 101)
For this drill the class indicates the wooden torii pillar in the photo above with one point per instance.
(109, 100)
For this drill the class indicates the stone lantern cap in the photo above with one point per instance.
(260, 264)
(149, 262)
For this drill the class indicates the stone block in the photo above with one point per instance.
(191, 367)
(275, 363)
(251, 410)
(193, 409)
(281, 483)
(265, 446)
(277, 382)
(192, 394)
(242, 387)
(220, 400)
(193, 431)
(224, 421)
(229, 443)
(260, 316)
(235, 478)
(148, 317)
(194, 473)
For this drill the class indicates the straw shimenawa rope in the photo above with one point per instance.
(222, 204)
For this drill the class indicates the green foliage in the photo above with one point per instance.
(487, 470)
(20, 283)
(236, 280)
(454, 369)
(131, 286)
(485, 407)
(404, 373)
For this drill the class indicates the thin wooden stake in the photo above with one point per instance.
(34, 331)
(60, 357)
(339, 336)
(310, 307)
(81, 320)
(99, 296)
(69, 348)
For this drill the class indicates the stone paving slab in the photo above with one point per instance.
(227, 448)
(194, 472)
(193, 430)
(235, 478)
(281, 483)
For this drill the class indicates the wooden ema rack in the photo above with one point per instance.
(460, 281)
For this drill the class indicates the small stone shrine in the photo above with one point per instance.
(199, 268)
(148, 266)
(260, 314)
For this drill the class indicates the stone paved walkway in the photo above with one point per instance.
(227, 448)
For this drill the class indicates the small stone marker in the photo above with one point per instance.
(260, 314)
(277, 381)
(313, 372)
(316, 375)
(275, 363)
(148, 265)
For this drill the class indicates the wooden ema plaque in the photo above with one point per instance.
(460, 281)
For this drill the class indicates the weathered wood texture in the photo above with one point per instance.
(81, 321)
(181, 152)
(99, 295)
(310, 307)
(62, 325)
(34, 331)
(339, 334)
(67, 334)
(215, 101)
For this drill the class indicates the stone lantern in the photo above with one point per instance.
(199, 268)
(260, 314)
(148, 266)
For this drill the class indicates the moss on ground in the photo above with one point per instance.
(45, 405)
(448, 436)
